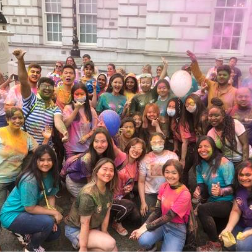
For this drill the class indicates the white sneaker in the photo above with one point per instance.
(39, 249)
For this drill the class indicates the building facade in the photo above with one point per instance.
(131, 33)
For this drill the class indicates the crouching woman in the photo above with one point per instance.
(168, 221)
(87, 224)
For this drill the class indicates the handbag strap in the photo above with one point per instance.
(46, 200)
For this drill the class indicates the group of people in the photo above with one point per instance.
(51, 134)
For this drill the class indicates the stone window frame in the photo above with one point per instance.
(87, 21)
(244, 24)
(55, 21)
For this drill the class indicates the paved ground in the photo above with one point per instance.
(9, 242)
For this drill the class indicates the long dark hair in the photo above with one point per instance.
(215, 160)
(108, 153)
(239, 168)
(228, 124)
(193, 120)
(177, 165)
(33, 170)
(74, 64)
(114, 76)
(177, 116)
(135, 89)
(87, 109)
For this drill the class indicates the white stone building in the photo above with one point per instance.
(131, 33)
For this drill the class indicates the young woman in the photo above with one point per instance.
(228, 134)
(193, 123)
(138, 119)
(78, 168)
(130, 86)
(150, 173)
(215, 176)
(127, 132)
(70, 61)
(87, 223)
(102, 82)
(158, 72)
(151, 122)
(123, 206)
(113, 98)
(240, 219)
(168, 222)
(55, 75)
(14, 147)
(80, 120)
(22, 214)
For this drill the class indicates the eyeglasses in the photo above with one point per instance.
(44, 86)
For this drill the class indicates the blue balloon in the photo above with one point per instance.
(111, 120)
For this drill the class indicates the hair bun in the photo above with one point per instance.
(217, 102)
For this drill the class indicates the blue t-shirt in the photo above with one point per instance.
(26, 194)
(224, 175)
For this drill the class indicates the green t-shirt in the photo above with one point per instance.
(90, 202)
(26, 194)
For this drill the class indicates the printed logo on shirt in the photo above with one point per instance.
(239, 201)
(156, 170)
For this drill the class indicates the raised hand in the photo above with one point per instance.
(191, 55)
(47, 132)
(19, 53)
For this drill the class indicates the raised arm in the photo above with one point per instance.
(164, 71)
(60, 126)
(22, 73)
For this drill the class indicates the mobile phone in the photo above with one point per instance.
(15, 77)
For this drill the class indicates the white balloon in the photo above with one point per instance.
(181, 82)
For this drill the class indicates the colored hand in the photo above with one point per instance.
(191, 55)
(216, 190)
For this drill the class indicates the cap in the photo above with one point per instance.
(219, 57)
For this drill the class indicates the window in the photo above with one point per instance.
(53, 20)
(228, 24)
(88, 21)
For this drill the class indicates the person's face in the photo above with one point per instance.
(232, 63)
(117, 84)
(70, 62)
(205, 150)
(218, 63)
(79, 94)
(45, 163)
(146, 69)
(85, 59)
(171, 105)
(100, 143)
(102, 81)
(16, 121)
(34, 75)
(68, 76)
(138, 120)
(110, 70)
(106, 172)
(159, 71)
(171, 175)
(130, 83)
(215, 117)
(88, 71)
(157, 141)
(145, 84)
(245, 177)
(243, 98)
(151, 114)
(136, 150)
(162, 90)
(46, 91)
(58, 67)
(128, 130)
(222, 77)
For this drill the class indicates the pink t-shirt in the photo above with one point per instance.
(186, 134)
(178, 200)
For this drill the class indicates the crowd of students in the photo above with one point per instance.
(51, 134)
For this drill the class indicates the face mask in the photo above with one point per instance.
(80, 100)
(171, 112)
(157, 148)
(191, 109)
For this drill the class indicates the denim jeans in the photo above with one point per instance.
(242, 245)
(172, 234)
(39, 226)
(72, 233)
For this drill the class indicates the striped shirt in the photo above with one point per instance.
(38, 116)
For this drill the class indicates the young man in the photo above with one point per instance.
(221, 88)
(39, 111)
(237, 72)
(14, 97)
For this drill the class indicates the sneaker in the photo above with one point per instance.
(23, 239)
(119, 229)
(39, 249)
(152, 249)
(210, 246)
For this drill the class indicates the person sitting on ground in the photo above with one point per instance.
(240, 218)
(221, 88)
(168, 222)
(22, 214)
(215, 175)
(87, 223)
